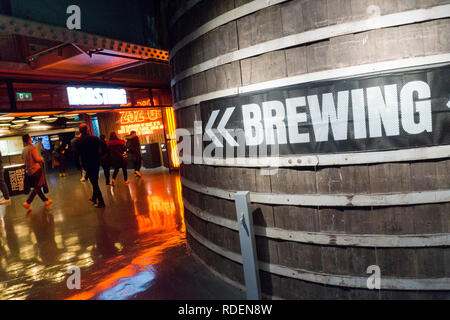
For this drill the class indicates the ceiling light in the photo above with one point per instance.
(33, 122)
(40, 117)
(3, 119)
(19, 121)
(41, 127)
(5, 125)
(17, 126)
(50, 120)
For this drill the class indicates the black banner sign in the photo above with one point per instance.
(15, 180)
(385, 112)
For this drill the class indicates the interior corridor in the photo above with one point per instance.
(135, 248)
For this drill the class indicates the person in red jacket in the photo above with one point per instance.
(118, 157)
(33, 163)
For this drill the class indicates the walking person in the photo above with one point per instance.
(77, 160)
(118, 157)
(3, 186)
(42, 152)
(87, 150)
(134, 147)
(60, 153)
(105, 159)
(34, 172)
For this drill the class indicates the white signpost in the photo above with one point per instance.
(248, 245)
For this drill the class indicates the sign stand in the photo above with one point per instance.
(248, 245)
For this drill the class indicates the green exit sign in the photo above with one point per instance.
(24, 96)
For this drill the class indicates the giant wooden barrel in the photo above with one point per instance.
(356, 94)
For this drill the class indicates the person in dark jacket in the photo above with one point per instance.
(87, 150)
(118, 157)
(60, 155)
(77, 161)
(134, 148)
(105, 159)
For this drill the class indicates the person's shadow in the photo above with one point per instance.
(104, 237)
(9, 235)
(43, 226)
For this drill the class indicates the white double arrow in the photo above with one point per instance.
(221, 128)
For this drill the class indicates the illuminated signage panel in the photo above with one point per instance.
(144, 122)
(96, 96)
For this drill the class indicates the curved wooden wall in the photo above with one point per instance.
(322, 220)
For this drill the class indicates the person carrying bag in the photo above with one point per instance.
(35, 173)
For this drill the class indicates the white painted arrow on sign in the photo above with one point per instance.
(221, 128)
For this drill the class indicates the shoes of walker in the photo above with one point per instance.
(27, 206)
(138, 174)
(48, 203)
(113, 182)
(100, 205)
(127, 182)
(83, 179)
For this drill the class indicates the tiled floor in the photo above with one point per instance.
(135, 248)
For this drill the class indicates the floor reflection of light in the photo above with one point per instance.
(85, 262)
(71, 241)
(180, 202)
(143, 262)
(34, 272)
(15, 292)
(129, 286)
(27, 252)
(157, 214)
(118, 246)
(67, 256)
(58, 276)
(59, 241)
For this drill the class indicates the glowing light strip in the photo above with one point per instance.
(180, 201)
(172, 137)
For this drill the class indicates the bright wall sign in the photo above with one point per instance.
(96, 96)
(144, 122)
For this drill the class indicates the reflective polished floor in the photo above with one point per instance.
(135, 248)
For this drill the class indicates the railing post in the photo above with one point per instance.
(248, 245)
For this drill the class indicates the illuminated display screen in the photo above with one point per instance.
(45, 141)
(144, 122)
(11, 146)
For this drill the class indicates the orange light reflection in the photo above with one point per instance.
(156, 216)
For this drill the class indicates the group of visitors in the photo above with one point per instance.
(90, 153)
(93, 152)
(114, 154)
